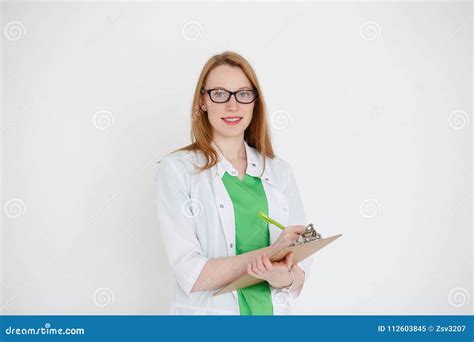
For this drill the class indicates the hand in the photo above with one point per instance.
(286, 238)
(275, 273)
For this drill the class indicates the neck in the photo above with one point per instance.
(232, 148)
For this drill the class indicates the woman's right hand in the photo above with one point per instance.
(287, 237)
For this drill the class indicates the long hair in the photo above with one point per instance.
(257, 133)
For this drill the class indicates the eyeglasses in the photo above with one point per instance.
(245, 96)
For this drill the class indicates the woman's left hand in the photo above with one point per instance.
(275, 273)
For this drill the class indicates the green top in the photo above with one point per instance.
(251, 233)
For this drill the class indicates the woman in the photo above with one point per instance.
(209, 196)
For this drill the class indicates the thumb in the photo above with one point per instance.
(289, 260)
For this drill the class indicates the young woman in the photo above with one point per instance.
(210, 192)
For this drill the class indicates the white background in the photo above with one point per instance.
(371, 103)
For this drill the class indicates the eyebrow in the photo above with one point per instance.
(241, 88)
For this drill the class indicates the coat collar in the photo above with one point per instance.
(254, 164)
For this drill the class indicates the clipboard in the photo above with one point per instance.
(309, 243)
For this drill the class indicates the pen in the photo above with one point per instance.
(270, 220)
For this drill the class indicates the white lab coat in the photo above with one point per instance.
(196, 221)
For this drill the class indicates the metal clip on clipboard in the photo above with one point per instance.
(310, 234)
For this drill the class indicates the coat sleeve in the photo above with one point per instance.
(297, 217)
(176, 224)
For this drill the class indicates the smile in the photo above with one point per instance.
(232, 120)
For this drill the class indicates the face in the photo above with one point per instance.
(229, 119)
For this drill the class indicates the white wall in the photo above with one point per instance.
(378, 131)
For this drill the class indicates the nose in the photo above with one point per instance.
(232, 104)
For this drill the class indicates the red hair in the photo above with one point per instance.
(257, 133)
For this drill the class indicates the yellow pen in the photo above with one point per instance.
(270, 220)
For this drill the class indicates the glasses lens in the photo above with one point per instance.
(219, 95)
(245, 96)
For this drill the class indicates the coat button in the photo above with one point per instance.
(253, 164)
(221, 205)
(231, 245)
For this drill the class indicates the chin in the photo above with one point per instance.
(229, 133)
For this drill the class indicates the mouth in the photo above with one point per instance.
(232, 120)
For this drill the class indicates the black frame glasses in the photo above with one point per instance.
(230, 93)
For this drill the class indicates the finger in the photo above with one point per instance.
(267, 263)
(289, 259)
(254, 267)
(250, 271)
(254, 264)
(291, 235)
(258, 272)
(296, 235)
(297, 229)
(260, 265)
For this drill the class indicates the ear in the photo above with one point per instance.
(202, 98)
(202, 102)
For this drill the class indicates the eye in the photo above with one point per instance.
(245, 93)
(219, 93)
